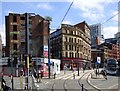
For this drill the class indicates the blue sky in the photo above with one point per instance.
(95, 11)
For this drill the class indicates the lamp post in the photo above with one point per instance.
(49, 56)
(27, 42)
(77, 58)
(48, 18)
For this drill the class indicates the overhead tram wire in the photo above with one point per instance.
(110, 18)
(66, 13)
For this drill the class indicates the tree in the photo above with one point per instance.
(48, 18)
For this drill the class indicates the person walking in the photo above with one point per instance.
(104, 73)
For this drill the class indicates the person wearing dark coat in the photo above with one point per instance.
(4, 86)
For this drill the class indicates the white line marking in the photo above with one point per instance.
(113, 86)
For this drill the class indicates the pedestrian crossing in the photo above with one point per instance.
(71, 76)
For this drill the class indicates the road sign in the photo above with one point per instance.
(98, 60)
(4, 61)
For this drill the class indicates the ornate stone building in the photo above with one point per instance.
(71, 44)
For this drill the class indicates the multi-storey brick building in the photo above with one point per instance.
(0, 47)
(71, 44)
(106, 51)
(101, 52)
(26, 34)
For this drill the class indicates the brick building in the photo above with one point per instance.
(26, 34)
(106, 51)
(0, 47)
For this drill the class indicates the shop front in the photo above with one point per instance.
(71, 63)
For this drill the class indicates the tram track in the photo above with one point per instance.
(88, 82)
(65, 87)
(64, 83)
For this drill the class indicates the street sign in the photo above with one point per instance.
(45, 47)
(4, 61)
(98, 60)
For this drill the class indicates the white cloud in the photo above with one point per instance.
(46, 6)
(93, 10)
(2, 32)
(109, 32)
(92, 15)
(66, 22)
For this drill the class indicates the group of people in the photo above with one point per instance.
(103, 72)
(4, 86)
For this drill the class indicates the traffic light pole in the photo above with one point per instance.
(78, 68)
(49, 56)
(10, 59)
(78, 60)
(27, 46)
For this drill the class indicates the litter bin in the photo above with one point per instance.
(26, 82)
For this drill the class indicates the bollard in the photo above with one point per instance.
(12, 82)
(26, 82)
(54, 75)
(39, 79)
(82, 87)
(21, 82)
(73, 75)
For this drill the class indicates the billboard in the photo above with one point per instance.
(45, 52)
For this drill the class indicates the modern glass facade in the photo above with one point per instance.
(95, 34)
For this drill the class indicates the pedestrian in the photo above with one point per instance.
(21, 73)
(96, 72)
(39, 76)
(104, 73)
(4, 86)
(83, 69)
(73, 73)
(54, 75)
(35, 73)
(3, 83)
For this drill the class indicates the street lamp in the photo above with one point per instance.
(27, 42)
(49, 56)
(77, 58)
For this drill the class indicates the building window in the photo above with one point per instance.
(75, 40)
(75, 55)
(66, 47)
(72, 55)
(71, 32)
(75, 48)
(14, 27)
(66, 31)
(66, 39)
(66, 54)
(72, 47)
(14, 18)
(15, 46)
(69, 39)
(72, 40)
(22, 18)
(15, 37)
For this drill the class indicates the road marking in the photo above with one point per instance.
(113, 86)
(91, 83)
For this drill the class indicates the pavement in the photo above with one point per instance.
(67, 74)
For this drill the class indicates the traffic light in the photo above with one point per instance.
(9, 61)
(27, 61)
(30, 58)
